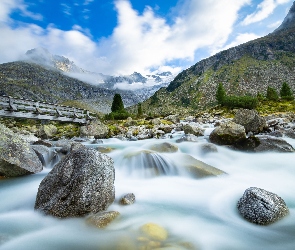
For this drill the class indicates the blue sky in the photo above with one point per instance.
(123, 36)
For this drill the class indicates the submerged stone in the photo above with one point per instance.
(197, 168)
(261, 207)
(102, 219)
(188, 138)
(164, 147)
(207, 148)
(154, 231)
(104, 150)
(150, 163)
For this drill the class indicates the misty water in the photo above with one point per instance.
(200, 213)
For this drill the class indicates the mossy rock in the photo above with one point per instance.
(104, 150)
(164, 147)
(228, 134)
(102, 219)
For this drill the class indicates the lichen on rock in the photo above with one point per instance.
(261, 207)
(82, 183)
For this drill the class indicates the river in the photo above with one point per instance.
(197, 213)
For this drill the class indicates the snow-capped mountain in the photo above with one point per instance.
(142, 86)
(137, 81)
(43, 57)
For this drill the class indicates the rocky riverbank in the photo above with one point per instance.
(25, 149)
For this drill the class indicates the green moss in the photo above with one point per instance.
(269, 107)
(166, 122)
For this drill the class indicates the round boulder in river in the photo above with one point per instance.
(261, 207)
(228, 134)
(81, 183)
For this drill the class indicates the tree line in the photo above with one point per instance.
(118, 110)
(251, 102)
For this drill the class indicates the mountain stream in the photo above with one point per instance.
(197, 213)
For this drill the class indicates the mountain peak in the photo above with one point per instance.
(44, 57)
(289, 21)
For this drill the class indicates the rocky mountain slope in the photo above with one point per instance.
(139, 87)
(32, 81)
(44, 58)
(245, 69)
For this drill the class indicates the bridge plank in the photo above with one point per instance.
(29, 109)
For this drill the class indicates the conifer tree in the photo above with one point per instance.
(139, 110)
(220, 94)
(117, 105)
(286, 92)
(272, 94)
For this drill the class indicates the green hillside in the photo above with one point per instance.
(247, 69)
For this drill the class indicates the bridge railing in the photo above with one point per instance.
(23, 108)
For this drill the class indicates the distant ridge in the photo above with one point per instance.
(245, 69)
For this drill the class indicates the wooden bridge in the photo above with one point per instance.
(22, 108)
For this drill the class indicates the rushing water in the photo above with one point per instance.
(201, 212)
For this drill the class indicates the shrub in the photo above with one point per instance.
(246, 102)
(272, 94)
(260, 97)
(286, 92)
(117, 115)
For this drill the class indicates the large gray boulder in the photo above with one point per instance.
(261, 207)
(173, 118)
(96, 128)
(83, 182)
(250, 119)
(269, 143)
(16, 155)
(228, 134)
(193, 129)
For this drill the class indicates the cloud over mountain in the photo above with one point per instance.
(141, 41)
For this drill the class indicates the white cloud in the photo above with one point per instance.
(240, 39)
(17, 41)
(128, 86)
(140, 42)
(67, 10)
(263, 10)
(143, 41)
(7, 6)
